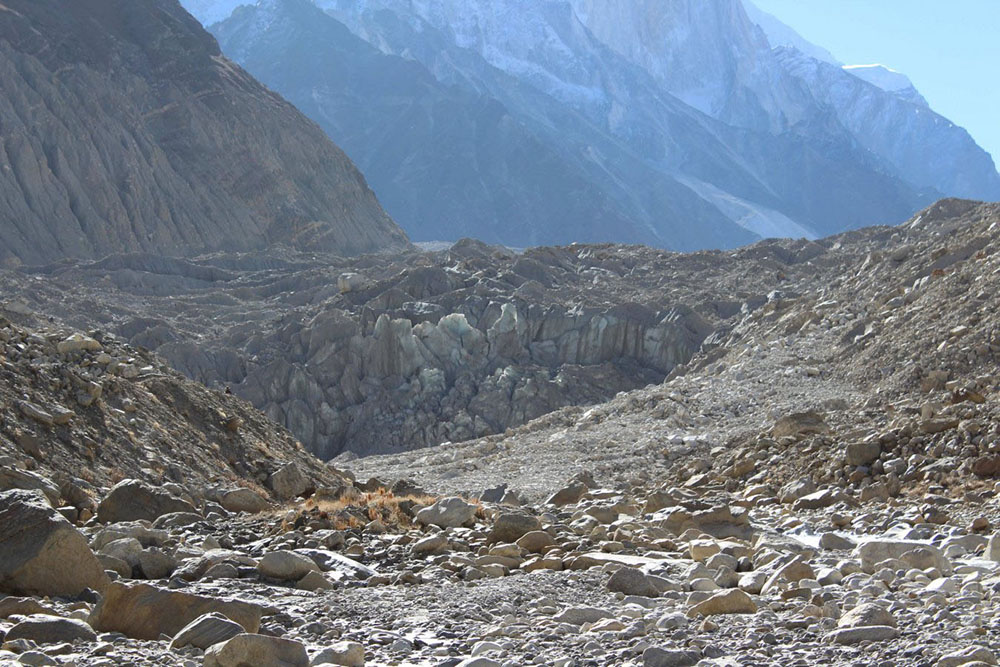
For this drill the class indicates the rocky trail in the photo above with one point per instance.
(815, 483)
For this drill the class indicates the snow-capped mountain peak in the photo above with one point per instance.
(681, 123)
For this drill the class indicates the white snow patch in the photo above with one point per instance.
(884, 77)
(763, 221)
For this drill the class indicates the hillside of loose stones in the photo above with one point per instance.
(816, 485)
(391, 352)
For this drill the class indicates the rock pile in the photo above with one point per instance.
(798, 492)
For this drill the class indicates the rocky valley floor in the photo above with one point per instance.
(816, 483)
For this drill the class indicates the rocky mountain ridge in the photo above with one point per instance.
(125, 129)
(389, 353)
(587, 91)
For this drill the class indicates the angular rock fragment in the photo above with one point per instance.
(207, 630)
(41, 553)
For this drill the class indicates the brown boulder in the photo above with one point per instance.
(250, 649)
(986, 466)
(143, 611)
(800, 424)
(41, 553)
(132, 500)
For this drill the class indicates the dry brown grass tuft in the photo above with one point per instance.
(357, 510)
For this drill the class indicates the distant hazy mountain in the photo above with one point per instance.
(669, 122)
(125, 129)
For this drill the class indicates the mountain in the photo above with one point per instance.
(499, 160)
(125, 129)
(780, 34)
(676, 124)
(917, 143)
(886, 114)
(888, 80)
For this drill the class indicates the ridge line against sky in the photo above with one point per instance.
(950, 50)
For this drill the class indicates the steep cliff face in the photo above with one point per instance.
(124, 128)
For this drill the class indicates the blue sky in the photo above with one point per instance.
(950, 49)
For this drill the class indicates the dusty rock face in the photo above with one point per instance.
(41, 553)
(143, 611)
(119, 143)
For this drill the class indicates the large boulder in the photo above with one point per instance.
(14, 478)
(132, 500)
(46, 629)
(143, 611)
(249, 649)
(286, 565)
(448, 513)
(289, 482)
(512, 526)
(41, 553)
(873, 552)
